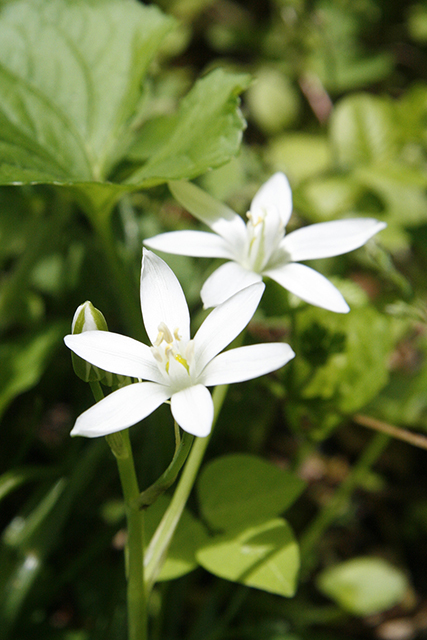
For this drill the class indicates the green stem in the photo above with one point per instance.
(339, 501)
(163, 483)
(159, 544)
(96, 391)
(136, 598)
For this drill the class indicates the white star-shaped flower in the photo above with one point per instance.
(175, 367)
(260, 247)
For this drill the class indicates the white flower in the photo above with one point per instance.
(177, 368)
(260, 247)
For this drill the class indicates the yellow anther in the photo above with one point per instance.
(182, 361)
(254, 222)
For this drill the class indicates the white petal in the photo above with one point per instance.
(191, 243)
(328, 239)
(162, 298)
(215, 214)
(224, 323)
(310, 286)
(193, 410)
(273, 234)
(246, 363)
(121, 409)
(115, 353)
(275, 193)
(227, 280)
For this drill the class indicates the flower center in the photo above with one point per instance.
(169, 348)
(255, 230)
(265, 229)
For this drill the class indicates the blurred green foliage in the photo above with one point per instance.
(338, 101)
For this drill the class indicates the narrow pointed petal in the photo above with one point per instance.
(115, 353)
(277, 193)
(213, 213)
(227, 280)
(162, 298)
(328, 239)
(192, 243)
(245, 363)
(224, 324)
(309, 285)
(121, 409)
(193, 410)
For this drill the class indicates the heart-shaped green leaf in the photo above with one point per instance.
(265, 556)
(240, 489)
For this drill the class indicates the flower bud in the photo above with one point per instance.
(88, 318)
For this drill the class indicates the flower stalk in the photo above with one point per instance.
(157, 549)
(167, 478)
(136, 595)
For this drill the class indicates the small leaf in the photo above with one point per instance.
(273, 101)
(265, 556)
(363, 130)
(205, 133)
(364, 586)
(239, 490)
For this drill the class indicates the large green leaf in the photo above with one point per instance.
(71, 93)
(240, 489)
(70, 82)
(265, 556)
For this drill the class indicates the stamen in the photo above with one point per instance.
(178, 357)
(172, 348)
(254, 223)
(164, 334)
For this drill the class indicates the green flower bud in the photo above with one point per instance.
(88, 318)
